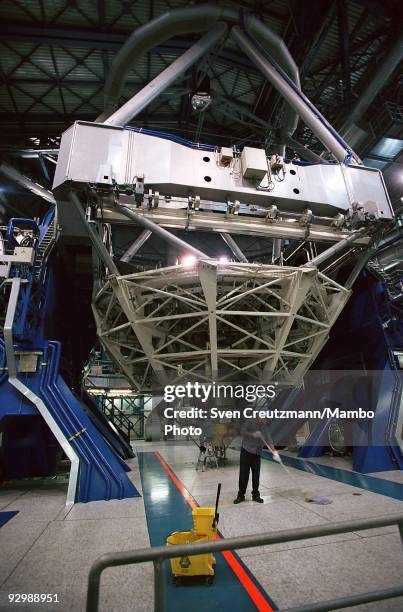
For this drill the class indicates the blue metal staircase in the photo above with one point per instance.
(98, 472)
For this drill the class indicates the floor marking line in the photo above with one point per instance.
(253, 591)
(186, 494)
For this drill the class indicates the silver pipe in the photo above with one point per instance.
(276, 249)
(191, 20)
(15, 175)
(278, 48)
(324, 135)
(31, 396)
(230, 242)
(335, 248)
(172, 23)
(151, 91)
(336, 263)
(361, 262)
(161, 232)
(97, 243)
(159, 585)
(256, 226)
(136, 246)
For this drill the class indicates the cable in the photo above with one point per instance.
(178, 139)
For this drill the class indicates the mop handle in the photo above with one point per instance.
(267, 444)
(281, 463)
(216, 515)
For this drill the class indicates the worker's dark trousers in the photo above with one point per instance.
(249, 461)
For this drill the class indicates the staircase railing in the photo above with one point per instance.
(392, 280)
(47, 238)
(118, 418)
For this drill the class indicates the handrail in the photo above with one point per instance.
(159, 554)
(118, 418)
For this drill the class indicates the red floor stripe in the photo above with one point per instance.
(177, 482)
(257, 597)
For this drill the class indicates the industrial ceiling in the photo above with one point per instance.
(55, 57)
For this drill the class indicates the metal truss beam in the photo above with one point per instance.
(98, 39)
(230, 242)
(238, 112)
(161, 232)
(259, 322)
(136, 246)
(216, 222)
(97, 243)
(356, 47)
(344, 43)
(317, 43)
(16, 176)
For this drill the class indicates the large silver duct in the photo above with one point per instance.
(191, 20)
(153, 89)
(175, 22)
(16, 176)
(284, 88)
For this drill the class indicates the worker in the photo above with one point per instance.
(255, 435)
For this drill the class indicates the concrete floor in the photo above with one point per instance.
(48, 548)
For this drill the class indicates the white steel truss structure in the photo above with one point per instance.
(217, 322)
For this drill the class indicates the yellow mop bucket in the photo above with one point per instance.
(195, 565)
(203, 522)
(205, 528)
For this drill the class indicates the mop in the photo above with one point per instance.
(308, 497)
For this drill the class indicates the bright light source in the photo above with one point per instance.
(96, 391)
(188, 260)
(120, 392)
(223, 259)
(111, 392)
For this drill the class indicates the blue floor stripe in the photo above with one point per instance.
(355, 479)
(168, 511)
(6, 516)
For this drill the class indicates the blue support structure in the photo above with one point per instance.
(39, 393)
(370, 327)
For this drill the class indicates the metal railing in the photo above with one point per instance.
(118, 418)
(157, 555)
